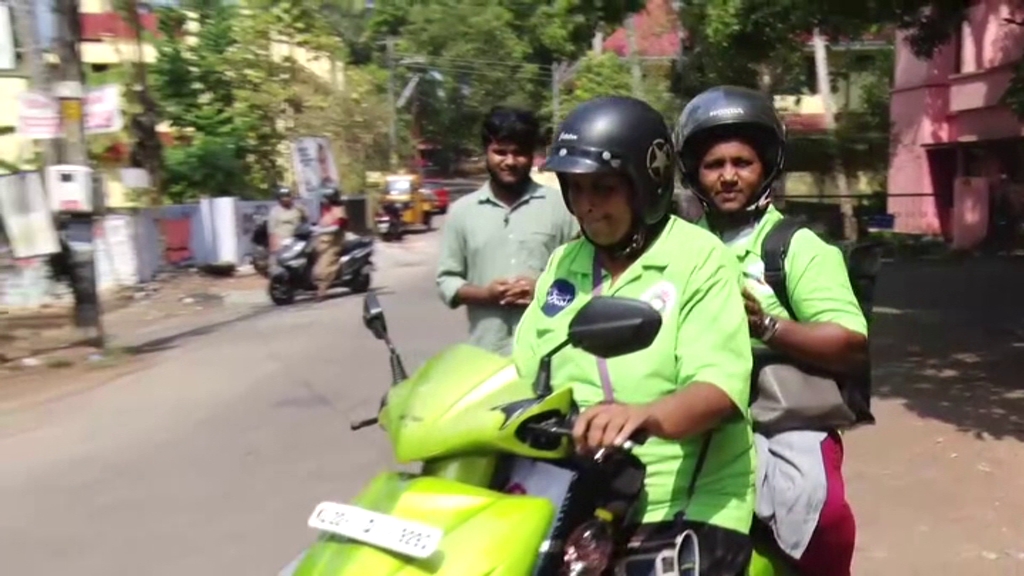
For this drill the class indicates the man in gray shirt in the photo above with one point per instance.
(497, 240)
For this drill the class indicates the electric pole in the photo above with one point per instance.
(556, 89)
(634, 58)
(25, 23)
(393, 127)
(69, 86)
(69, 89)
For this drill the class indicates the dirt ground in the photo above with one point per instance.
(48, 338)
(938, 483)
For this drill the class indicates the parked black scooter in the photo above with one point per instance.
(389, 223)
(292, 272)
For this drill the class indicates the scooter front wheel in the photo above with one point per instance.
(281, 291)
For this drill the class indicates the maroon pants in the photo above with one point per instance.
(830, 551)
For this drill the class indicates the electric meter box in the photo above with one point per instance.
(70, 188)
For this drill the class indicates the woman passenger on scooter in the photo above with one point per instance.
(689, 390)
(731, 148)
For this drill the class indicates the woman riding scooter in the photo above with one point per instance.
(731, 147)
(689, 390)
(329, 241)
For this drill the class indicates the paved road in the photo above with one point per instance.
(210, 462)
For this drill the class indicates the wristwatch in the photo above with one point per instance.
(769, 326)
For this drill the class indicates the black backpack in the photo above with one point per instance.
(862, 263)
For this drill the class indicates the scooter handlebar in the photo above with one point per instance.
(565, 429)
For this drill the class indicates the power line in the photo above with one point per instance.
(520, 74)
(460, 60)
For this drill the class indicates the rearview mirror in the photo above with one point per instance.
(608, 326)
(373, 317)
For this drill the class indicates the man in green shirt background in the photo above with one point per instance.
(496, 240)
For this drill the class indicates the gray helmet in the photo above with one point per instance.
(730, 112)
(618, 134)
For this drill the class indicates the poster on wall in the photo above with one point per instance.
(314, 166)
(27, 220)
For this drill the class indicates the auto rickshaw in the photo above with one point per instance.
(405, 192)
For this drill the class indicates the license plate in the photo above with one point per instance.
(395, 534)
(382, 226)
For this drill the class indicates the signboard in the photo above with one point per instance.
(39, 114)
(314, 166)
(8, 59)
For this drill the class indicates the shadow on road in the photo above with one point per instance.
(948, 339)
(167, 342)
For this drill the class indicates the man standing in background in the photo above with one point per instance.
(497, 240)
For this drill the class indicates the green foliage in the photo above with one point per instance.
(225, 77)
(604, 75)
(1013, 98)
(474, 55)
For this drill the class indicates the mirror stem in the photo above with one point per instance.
(398, 374)
(542, 383)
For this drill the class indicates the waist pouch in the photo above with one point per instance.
(791, 397)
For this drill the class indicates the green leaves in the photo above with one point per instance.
(225, 78)
(604, 75)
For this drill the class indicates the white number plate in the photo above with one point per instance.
(382, 226)
(395, 534)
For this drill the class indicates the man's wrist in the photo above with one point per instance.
(769, 327)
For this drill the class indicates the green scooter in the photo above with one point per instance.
(500, 490)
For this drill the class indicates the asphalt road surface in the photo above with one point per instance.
(210, 461)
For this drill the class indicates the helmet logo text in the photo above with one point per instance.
(726, 112)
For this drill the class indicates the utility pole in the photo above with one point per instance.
(25, 23)
(631, 54)
(69, 86)
(556, 89)
(393, 128)
(825, 93)
(69, 89)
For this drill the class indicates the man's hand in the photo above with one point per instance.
(496, 290)
(519, 292)
(755, 314)
(608, 425)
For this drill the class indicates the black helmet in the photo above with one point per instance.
(730, 111)
(332, 196)
(282, 192)
(618, 134)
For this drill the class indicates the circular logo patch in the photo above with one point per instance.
(559, 296)
(661, 296)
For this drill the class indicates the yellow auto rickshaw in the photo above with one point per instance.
(405, 192)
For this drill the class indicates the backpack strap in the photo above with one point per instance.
(774, 248)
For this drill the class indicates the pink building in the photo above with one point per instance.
(952, 140)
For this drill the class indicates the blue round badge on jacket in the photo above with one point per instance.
(560, 295)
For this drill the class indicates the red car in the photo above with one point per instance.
(440, 195)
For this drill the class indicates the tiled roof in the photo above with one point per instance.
(657, 32)
(96, 27)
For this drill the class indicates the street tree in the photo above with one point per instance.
(471, 56)
(225, 78)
